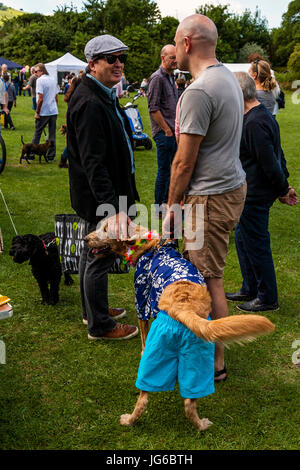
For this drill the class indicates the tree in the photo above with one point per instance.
(119, 14)
(164, 32)
(94, 10)
(294, 60)
(285, 38)
(236, 30)
(143, 53)
(249, 49)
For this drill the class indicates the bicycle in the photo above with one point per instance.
(2, 150)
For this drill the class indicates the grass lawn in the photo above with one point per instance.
(60, 391)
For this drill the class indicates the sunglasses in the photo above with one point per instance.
(111, 59)
(256, 64)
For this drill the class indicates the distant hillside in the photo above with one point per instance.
(7, 13)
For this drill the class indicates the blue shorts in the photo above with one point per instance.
(172, 352)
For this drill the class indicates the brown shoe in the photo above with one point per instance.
(117, 313)
(120, 331)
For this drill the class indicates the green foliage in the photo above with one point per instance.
(251, 48)
(294, 60)
(285, 38)
(144, 53)
(164, 31)
(119, 14)
(94, 10)
(33, 37)
(236, 30)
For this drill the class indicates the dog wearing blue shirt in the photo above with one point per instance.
(180, 343)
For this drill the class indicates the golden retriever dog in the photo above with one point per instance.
(183, 307)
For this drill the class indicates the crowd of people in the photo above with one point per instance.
(227, 151)
(218, 145)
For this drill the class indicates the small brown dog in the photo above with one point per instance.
(179, 299)
(36, 149)
(63, 129)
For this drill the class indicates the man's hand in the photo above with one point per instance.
(168, 132)
(5, 109)
(291, 198)
(117, 226)
(37, 116)
(168, 224)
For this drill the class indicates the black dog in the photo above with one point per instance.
(45, 264)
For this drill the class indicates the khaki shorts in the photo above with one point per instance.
(219, 216)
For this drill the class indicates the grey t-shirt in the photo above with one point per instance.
(32, 84)
(213, 107)
(267, 98)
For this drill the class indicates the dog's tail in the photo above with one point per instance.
(22, 140)
(189, 304)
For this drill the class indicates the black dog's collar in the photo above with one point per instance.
(49, 244)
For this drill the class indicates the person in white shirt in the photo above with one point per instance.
(46, 108)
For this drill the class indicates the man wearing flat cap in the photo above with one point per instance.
(101, 169)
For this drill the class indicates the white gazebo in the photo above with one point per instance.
(66, 63)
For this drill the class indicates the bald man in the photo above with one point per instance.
(206, 171)
(162, 100)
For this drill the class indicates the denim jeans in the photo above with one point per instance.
(165, 148)
(252, 241)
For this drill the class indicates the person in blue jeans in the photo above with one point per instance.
(162, 100)
(266, 173)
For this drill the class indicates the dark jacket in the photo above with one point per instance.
(262, 157)
(99, 158)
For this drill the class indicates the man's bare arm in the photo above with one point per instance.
(183, 166)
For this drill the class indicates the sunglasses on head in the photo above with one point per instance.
(111, 59)
(256, 64)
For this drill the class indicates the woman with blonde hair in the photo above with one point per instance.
(266, 85)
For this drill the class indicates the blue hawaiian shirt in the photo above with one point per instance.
(154, 272)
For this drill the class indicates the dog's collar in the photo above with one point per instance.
(127, 258)
(49, 244)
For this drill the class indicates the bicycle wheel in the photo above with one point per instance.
(2, 154)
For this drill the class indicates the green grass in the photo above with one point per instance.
(59, 391)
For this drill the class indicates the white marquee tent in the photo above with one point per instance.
(66, 63)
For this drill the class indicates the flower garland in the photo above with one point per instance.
(152, 234)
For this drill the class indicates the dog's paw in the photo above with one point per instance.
(204, 424)
(125, 420)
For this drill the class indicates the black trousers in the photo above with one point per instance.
(40, 125)
(93, 273)
(253, 246)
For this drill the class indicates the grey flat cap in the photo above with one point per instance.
(104, 44)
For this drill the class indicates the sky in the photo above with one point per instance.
(269, 9)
